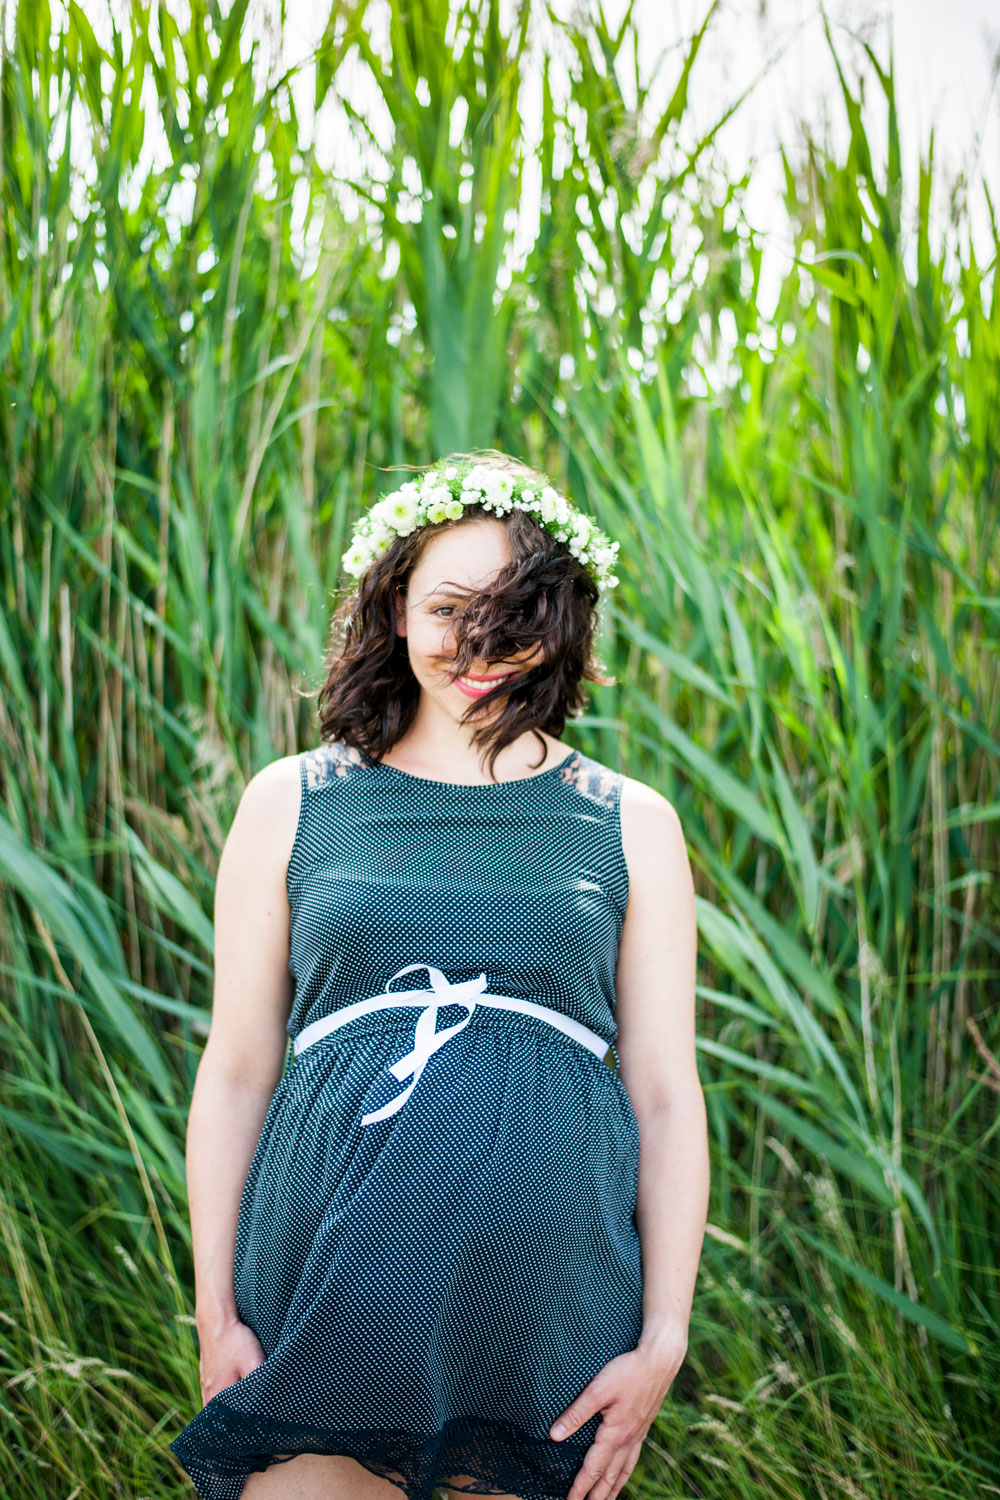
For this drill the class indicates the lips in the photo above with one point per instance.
(475, 686)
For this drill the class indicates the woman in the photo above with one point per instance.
(429, 1252)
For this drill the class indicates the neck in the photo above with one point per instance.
(434, 745)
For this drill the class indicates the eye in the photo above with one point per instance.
(441, 607)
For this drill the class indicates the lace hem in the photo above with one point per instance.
(221, 1448)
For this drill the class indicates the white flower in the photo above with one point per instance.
(380, 535)
(433, 500)
(380, 511)
(402, 514)
(501, 486)
(356, 559)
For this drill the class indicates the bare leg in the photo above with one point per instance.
(316, 1476)
(464, 1494)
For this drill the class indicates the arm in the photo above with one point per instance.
(243, 1058)
(655, 1012)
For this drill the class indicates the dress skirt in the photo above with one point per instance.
(433, 1289)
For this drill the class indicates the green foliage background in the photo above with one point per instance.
(804, 639)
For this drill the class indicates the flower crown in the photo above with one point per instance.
(443, 494)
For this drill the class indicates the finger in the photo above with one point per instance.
(595, 1465)
(587, 1476)
(611, 1475)
(586, 1405)
(616, 1470)
(606, 1482)
(627, 1469)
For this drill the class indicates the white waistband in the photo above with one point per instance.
(426, 1040)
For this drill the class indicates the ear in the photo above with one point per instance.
(399, 608)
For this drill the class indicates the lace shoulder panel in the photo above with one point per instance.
(592, 779)
(333, 758)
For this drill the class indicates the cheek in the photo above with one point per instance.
(427, 637)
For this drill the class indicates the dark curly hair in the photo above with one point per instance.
(543, 595)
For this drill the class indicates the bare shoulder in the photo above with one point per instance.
(653, 839)
(655, 978)
(253, 985)
(263, 829)
(644, 808)
(275, 791)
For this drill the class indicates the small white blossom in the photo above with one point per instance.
(433, 500)
(382, 509)
(355, 559)
(403, 514)
(501, 486)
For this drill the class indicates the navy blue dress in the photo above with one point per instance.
(431, 1289)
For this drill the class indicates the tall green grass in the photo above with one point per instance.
(805, 644)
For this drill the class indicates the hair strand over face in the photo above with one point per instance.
(543, 597)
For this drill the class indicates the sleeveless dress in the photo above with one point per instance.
(433, 1288)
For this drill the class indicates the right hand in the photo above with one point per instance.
(226, 1353)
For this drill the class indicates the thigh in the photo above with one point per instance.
(464, 1494)
(317, 1476)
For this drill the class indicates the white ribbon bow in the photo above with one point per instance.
(426, 1038)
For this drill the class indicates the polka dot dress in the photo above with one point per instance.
(433, 1288)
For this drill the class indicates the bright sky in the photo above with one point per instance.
(946, 63)
(946, 59)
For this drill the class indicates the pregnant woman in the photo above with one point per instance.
(440, 1244)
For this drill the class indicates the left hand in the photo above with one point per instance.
(628, 1392)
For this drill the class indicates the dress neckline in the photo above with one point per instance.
(477, 786)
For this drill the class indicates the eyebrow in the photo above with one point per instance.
(450, 589)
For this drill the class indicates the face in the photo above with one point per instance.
(455, 562)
